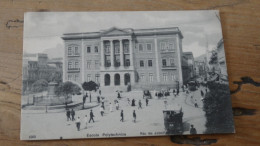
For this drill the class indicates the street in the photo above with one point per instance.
(149, 118)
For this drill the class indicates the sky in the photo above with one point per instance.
(43, 30)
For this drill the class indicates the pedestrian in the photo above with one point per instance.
(101, 109)
(140, 104)
(91, 117)
(175, 93)
(134, 116)
(122, 116)
(98, 99)
(103, 102)
(178, 91)
(202, 93)
(111, 107)
(68, 114)
(78, 123)
(128, 101)
(89, 97)
(72, 114)
(133, 102)
(99, 92)
(146, 101)
(193, 130)
(196, 105)
(117, 105)
(86, 121)
(118, 95)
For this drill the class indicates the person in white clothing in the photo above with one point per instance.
(86, 121)
(111, 107)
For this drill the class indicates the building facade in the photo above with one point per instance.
(119, 57)
(39, 66)
(190, 60)
(222, 60)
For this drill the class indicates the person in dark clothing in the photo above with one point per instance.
(89, 97)
(98, 99)
(68, 115)
(178, 91)
(140, 104)
(134, 116)
(99, 92)
(91, 116)
(118, 95)
(122, 116)
(78, 123)
(146, 100)
(193, 130)
(72, 114)
(202, 93)
(133, 102)
(196, 105)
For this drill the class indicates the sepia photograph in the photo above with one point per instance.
(124, 74)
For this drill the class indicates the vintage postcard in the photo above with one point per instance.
(124, 74)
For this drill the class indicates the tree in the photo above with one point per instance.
(40, 85)
(89, 86)
(66, 89)
(217, 107)
(213, 57)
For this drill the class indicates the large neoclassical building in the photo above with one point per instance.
(118, 57)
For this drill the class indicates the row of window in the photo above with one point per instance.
(92, 50)
(149, 62)
(73, 77)
(166, 77)
(89, 62)
(144, 46)
(167, 46)
(73, 51)
(116, 48)
(73, 65)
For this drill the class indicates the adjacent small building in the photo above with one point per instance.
(38, 66)
(190, 61)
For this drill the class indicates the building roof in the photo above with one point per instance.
(114, 31)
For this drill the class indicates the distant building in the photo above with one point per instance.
(185, 70)
(190, 61)
(118, 57)
(38, 66)
(222, 60)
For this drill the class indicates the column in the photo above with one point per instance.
(112, 53)
(121, 53)
(122, 79)
(131, 52)
(112, 79)
(102, 54)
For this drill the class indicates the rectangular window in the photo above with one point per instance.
(141, 49)
(76, 77)
(142, 77)
(149, 47)
(107, 48)
(163, 45)
(107, 61)
(97, 78)
(126, 47)
(89, 77)
(88, 49)
(69, 51)
(150, 77)
(117, 48)
(88, 64)
(164, 63)
(76, 64)
(69, 77)
(76, 51)
(70, 66)
(164, 77)
(141, 63)
(171, 46)
(96, 64)
(96, 49)
(150, 63)
(172, 62)
(173, 77)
